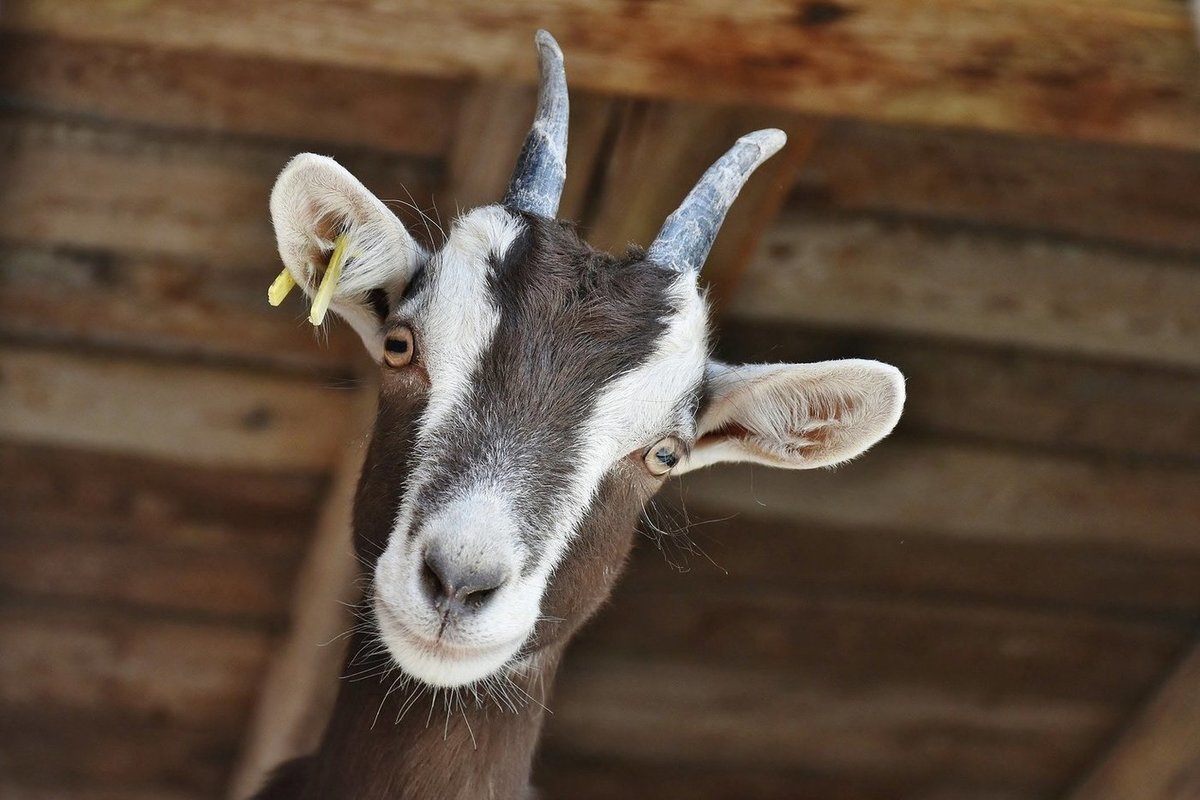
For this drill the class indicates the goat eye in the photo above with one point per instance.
(398, 347)
(663, 456)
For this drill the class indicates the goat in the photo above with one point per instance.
(535, 394)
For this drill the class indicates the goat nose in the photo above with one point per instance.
(459, 588)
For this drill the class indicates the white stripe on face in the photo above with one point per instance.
(636, 410)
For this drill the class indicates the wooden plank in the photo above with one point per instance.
(134, 190)
(62, 751)
(230, 93)
(101, 662)
(1121, 72)
(1158, 756)
(1005, 395)
(1121, 194)
(562, 775)
(300, 687)
(194, 415)
(660, 151)
(162, 306)
(864, 272)
(848, 644)
(675, 710)
(132, 499)
(974, 492)
(711, 550)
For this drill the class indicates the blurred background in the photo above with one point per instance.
(1002, 198)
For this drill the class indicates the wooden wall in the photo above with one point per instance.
(999, 198)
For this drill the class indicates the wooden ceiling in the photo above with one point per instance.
(1001, 198)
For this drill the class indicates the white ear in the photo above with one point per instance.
(314, 200)
(797, 416)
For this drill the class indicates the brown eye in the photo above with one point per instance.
(663, 456)
(398, 348)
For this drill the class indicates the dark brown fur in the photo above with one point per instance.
(544, 382)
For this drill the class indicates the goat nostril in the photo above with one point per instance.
(475, 600)
(433, 583)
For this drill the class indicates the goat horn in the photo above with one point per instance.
(537, 181)
(688, 234)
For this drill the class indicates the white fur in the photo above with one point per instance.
(799, 416)
(315, 192)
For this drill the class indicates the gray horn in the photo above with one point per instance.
(688, 234)
(537, 182)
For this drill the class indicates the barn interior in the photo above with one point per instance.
(999, 602)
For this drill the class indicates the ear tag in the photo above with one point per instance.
(329, 281)
(280, 288)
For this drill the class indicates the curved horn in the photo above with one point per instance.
(688, 234)
(537, 181)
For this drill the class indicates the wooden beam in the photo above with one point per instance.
(916, 277)
(659, 152)
(1133, 195)
(185, 414)
(975, 492)
(1004, 395)
(1121, 72)
(163, 306)
(133, 190)
(297, 694)
(1158, 756)
(230, 93)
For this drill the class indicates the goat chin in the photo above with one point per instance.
(441, 666)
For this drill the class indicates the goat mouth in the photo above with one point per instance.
(423, 655)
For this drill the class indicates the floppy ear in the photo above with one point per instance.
(315, 200)
(796, 416)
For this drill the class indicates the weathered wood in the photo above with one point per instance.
(130, 189)
(850, 644)
(297, 695)
(1004, 394)
(562, 776)
(186, 414)
(661, 150)
(103, 662)
(1122, 71)
(163, 306)
(921, 278)
(1158, 756)
(230, 93)
(975, 492)
(1137, 195)
(676, 710)
(721, 550)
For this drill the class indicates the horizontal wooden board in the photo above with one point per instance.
(134, 189)
(866, 272)
(977, 492)
(1133, 195)
(981, 650)
(55, 752)
(230, 93)
(186, 414)
(163, 306)
(1122, 71)
(105, 662)
(678, 710)
(1003, 394)
(118, 497)
(561, 776)
(718, 551)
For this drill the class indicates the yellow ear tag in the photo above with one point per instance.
(333, 272)
(280, 288)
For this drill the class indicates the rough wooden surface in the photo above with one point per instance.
(1118, 71)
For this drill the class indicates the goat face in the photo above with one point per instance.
(536, 393)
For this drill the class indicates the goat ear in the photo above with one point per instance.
(796, 416)
(314, 201)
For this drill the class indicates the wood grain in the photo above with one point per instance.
(864, 272)
(1120, 72)
(186, 414)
